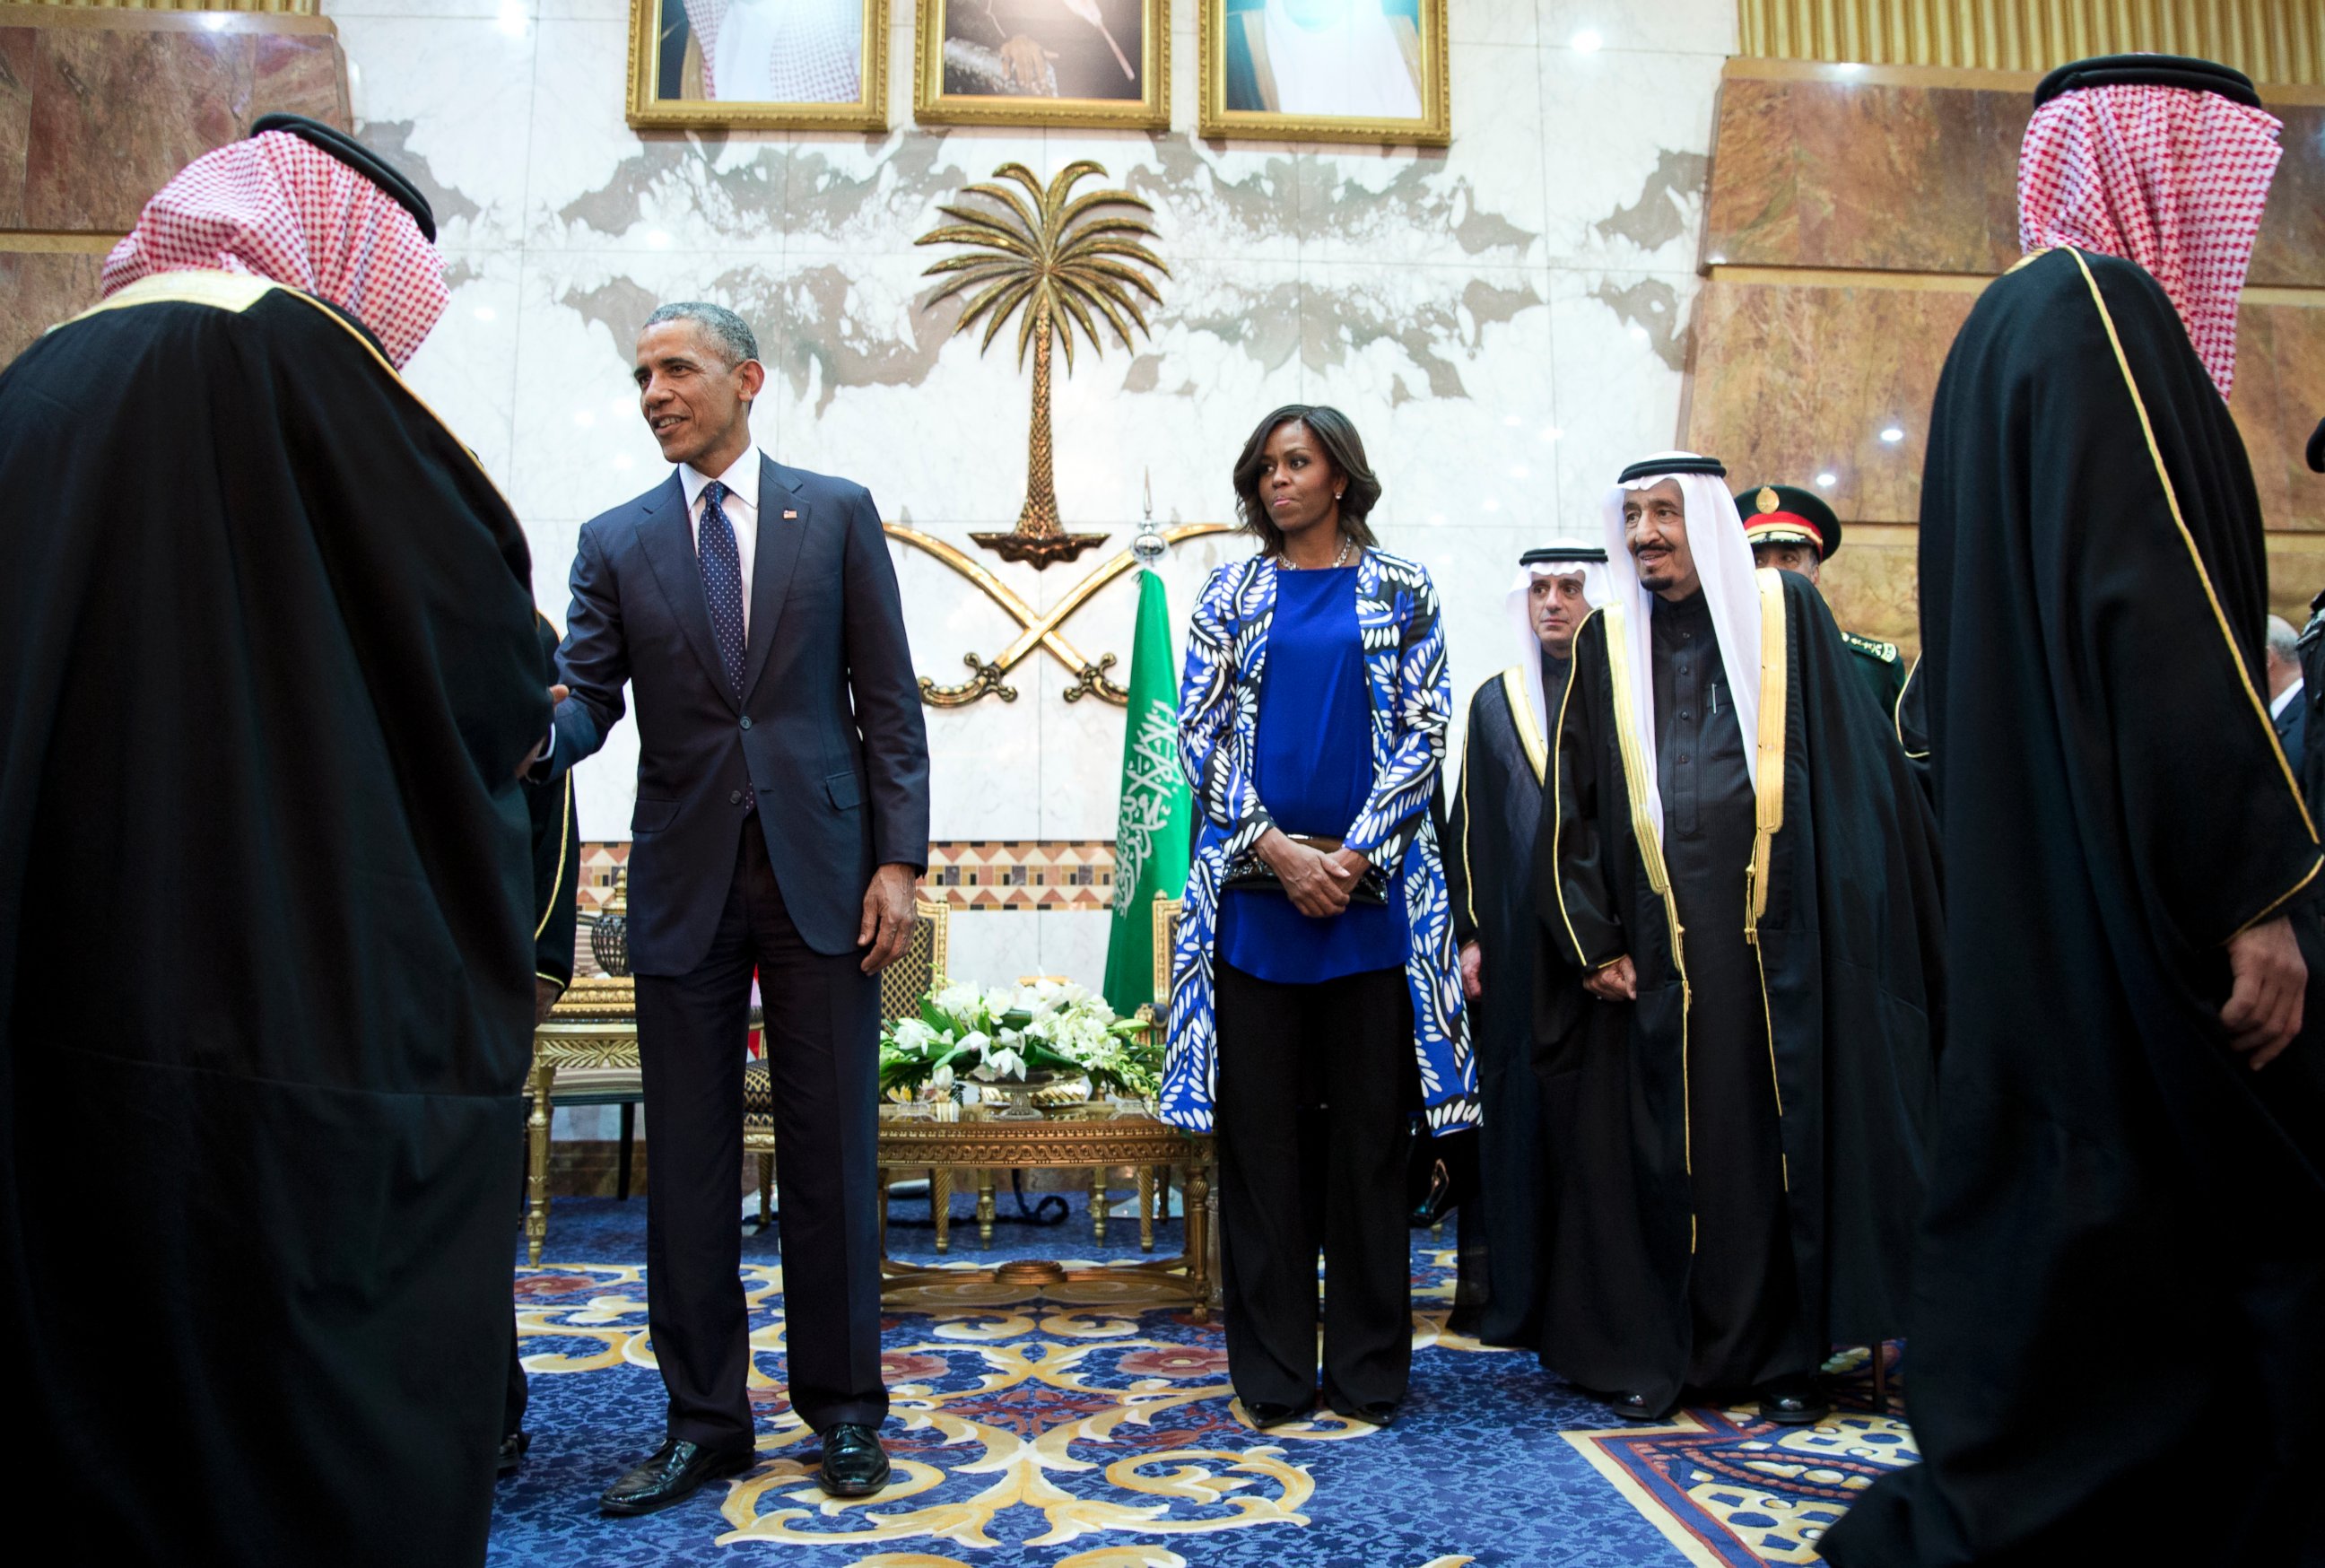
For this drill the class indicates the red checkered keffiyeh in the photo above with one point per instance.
(2169, 178)
(279, 207)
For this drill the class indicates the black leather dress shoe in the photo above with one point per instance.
(677, 1471)
(1378, 1415)
(854, 1463)
(512, 1448)
(1265, 1415)
(1793, 1402)
(1637, 1407)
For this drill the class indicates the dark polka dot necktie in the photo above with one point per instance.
(722, 583)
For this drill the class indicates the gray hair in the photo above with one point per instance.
(729, 331)
(2283, 642)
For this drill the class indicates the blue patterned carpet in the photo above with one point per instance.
(1087, 1428)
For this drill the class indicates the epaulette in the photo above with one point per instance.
(1871, 647)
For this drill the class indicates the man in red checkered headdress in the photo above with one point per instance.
(2118, 1336)
(267, 641)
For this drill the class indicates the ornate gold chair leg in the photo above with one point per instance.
(536, 1133)
(1145, 1208)
(767, 1189)
(1097, 1204)
(1198, 1238)
(985, 1210)
(940, 1205)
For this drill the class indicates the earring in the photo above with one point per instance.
(1338, 494)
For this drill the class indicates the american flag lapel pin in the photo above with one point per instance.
(791, 516)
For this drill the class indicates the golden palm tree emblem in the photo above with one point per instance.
(1062, 263)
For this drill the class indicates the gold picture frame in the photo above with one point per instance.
(673, 74)
(1078, 46)
(1354, 54)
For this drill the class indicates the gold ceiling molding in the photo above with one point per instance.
(2270, 41)
(255, 7)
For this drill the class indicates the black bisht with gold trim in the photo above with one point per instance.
(2112, 1187)
(1849, 993)
(266, 925)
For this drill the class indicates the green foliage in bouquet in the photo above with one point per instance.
(1015, 1032)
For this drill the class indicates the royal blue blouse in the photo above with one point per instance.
(1313, 769)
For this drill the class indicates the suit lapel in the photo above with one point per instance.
(669, 540)
(772, 567)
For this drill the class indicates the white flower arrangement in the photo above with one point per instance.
(1009, 1033)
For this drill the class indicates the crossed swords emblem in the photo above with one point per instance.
(1040, 628)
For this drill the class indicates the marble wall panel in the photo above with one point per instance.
(1872, 586)
(1665, 27)
(1619, 347)
(19, 50)
(1792, 381)
(116, 110)
(2291, 247)
(40, 289)
(994, 947)
(2280, 395)
(1072, 944)
(1627, 139)
(1840, 167)
(420, 110)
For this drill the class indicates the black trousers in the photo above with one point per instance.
(1316, 1083)
(822, 1033)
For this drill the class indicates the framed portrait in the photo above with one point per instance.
(1042, 62)
(1338, 70)
(743, 64)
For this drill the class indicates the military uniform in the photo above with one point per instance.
(1788, 515)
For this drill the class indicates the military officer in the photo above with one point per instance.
(1793, 530)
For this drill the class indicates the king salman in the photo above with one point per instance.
(1489, 882)
(267, 639)
(2118, 1324)
(1740, 992)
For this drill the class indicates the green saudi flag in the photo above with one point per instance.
(1150, 843)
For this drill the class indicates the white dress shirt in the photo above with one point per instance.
(741, 505)
(2284, 699)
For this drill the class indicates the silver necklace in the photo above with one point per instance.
(1338, 560)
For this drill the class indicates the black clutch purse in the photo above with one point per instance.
(1247, 873)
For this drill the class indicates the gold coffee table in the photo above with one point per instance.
(981, 1145)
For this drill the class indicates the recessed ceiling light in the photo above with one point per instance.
(1585, 41)
(1827, 481)
(1892, 435)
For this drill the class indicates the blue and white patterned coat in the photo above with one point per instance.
(1218, 721)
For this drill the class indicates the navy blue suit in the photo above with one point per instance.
(757, 828)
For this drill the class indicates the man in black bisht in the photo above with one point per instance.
(557, 914)
(1489, 881)
(265, 922)
(2120, 1282)
(1747, 893)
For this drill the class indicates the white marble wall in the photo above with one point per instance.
(1504, 319)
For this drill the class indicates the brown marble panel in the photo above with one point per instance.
(2291, 250)
(1916, 178)
(1873, 589)
(2295, 575)
(1752, 210)
(38, 291)
(117, 111)
(1793, 380)
(2280, 395)
(16, 50)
